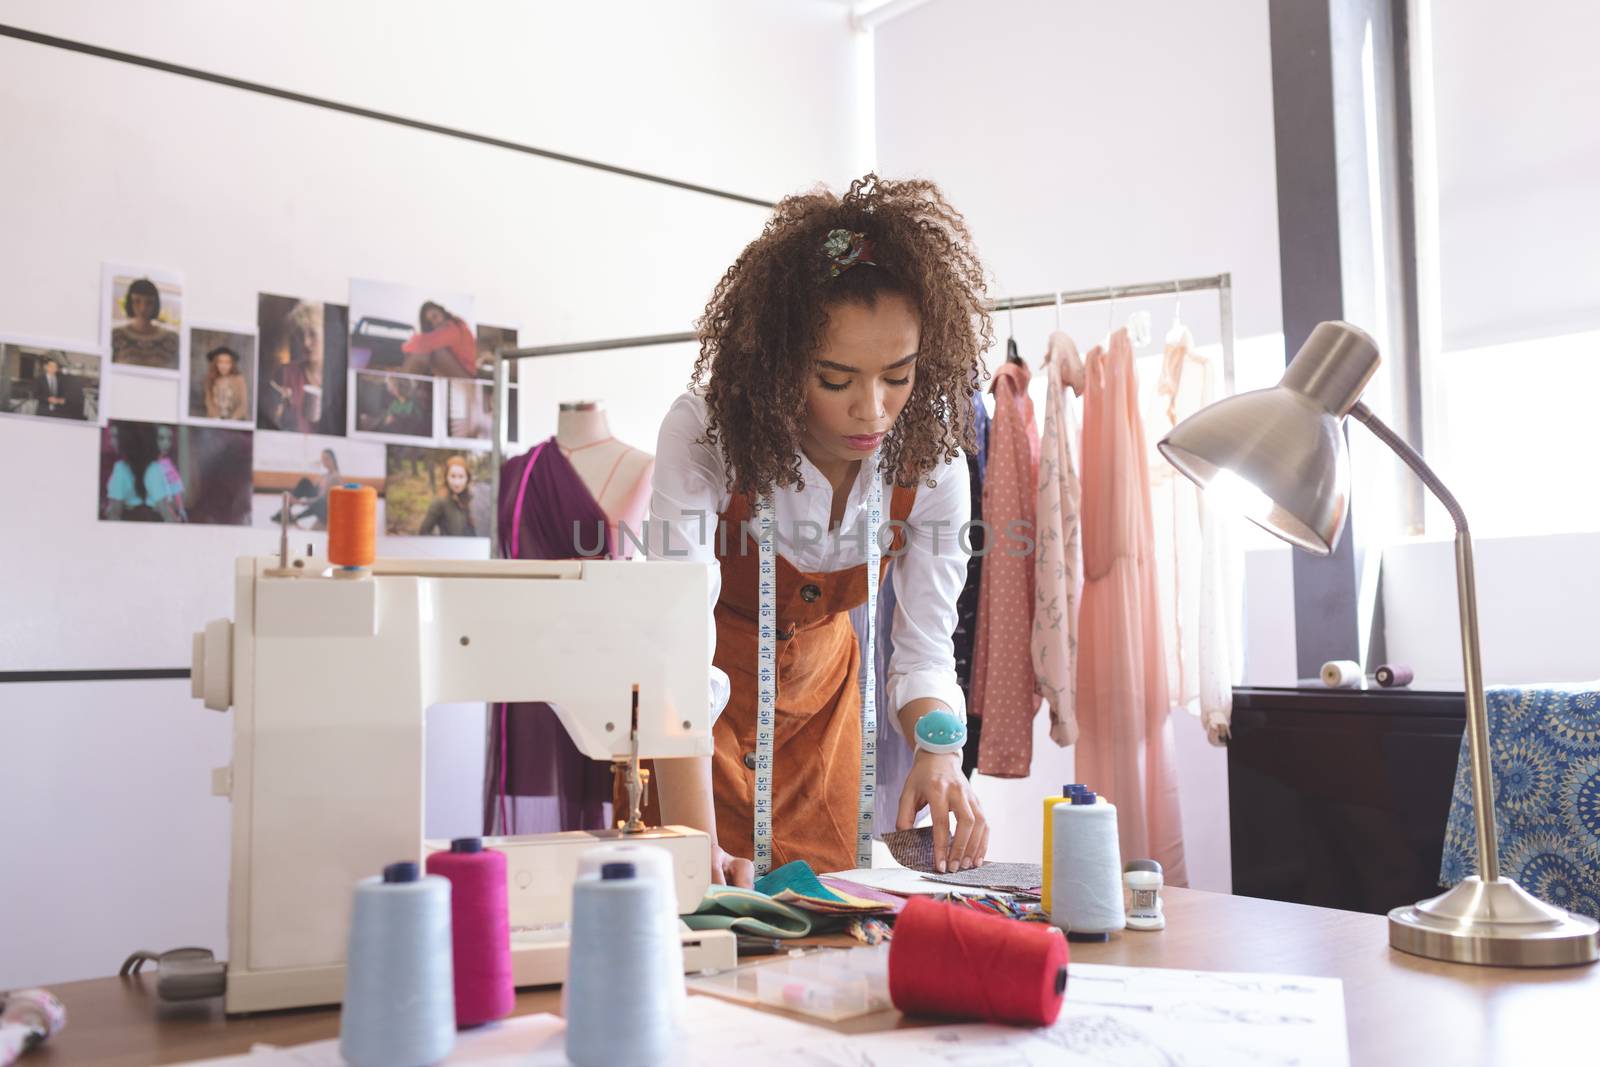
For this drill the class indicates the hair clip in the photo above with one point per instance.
(845, 249)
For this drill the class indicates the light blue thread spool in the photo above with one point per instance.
(619, 1012)
(399, 994)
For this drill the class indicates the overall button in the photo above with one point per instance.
(750, 760)
(809, 593)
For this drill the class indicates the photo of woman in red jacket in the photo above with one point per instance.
(444, 347)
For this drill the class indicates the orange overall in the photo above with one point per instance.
(816, 766)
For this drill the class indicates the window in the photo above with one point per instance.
(1508, 168)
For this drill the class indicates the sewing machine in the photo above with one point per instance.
(330, 671)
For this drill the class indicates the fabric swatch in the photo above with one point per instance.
(912, 848)
(1024, 877)
(891, 902)
(796, 884)
(744, 911)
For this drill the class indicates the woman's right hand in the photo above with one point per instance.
(731, 870)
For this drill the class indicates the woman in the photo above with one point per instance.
(137, 487)
(401, 412)
(144, 342)
(450, 515)
(445, 347)
(293, 397)
(172, 506)
(842, 347)
(227, 394)
(317, 509)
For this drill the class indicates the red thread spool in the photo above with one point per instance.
(480, 930)
(957, 963)
(352, 525)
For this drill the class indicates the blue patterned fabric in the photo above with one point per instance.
(1545, 751)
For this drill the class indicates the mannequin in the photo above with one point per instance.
(554, 500)
(617, 474)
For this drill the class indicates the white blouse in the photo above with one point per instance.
(690, 490)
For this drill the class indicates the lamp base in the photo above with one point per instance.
(1496, 924)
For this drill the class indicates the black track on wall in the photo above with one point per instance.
(20, 34)
(48, 41)
(136, 674)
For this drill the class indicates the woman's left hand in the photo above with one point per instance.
(937, 782)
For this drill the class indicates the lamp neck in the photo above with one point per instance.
(1413, 459)
(1471, 657)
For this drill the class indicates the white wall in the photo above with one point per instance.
(246, 194)
(1094, 144)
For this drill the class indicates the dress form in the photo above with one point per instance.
(617, 474)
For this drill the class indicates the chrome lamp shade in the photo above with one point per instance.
(1279, 457)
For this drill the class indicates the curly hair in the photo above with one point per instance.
(768, 319)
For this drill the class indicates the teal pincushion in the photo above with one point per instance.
(940, 731)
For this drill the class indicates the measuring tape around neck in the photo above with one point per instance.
(767, 680)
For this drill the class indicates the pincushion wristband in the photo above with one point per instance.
(940, 732)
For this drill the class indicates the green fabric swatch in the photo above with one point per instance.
(746, 911)
(798, 876)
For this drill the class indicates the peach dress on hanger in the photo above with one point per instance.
(1125, 746)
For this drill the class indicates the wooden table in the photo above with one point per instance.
(1400, 1009)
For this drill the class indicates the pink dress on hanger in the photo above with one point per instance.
(1058, 565)
(1002, 666)
(1125, 739)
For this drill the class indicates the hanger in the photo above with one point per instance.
(1050, 346)
(1173, 358)
(1175, 333)
(1139, 328)
(1111, 316)
(1012, 354)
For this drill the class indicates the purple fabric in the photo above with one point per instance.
(536, 780)
(560, 517)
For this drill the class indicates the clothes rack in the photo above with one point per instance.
(1221, 283)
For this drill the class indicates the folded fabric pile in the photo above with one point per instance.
(790, 902)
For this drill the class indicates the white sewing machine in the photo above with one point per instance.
(329, 676)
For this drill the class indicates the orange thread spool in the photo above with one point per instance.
(352, 525)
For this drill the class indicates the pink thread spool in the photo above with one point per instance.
(480, 930)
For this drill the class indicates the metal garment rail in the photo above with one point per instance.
(1221, 283)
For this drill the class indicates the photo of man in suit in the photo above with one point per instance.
(57, 395)
(49, 381)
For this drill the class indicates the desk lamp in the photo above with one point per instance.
(1279, 456)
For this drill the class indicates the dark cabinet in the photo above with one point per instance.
(1338, 797)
